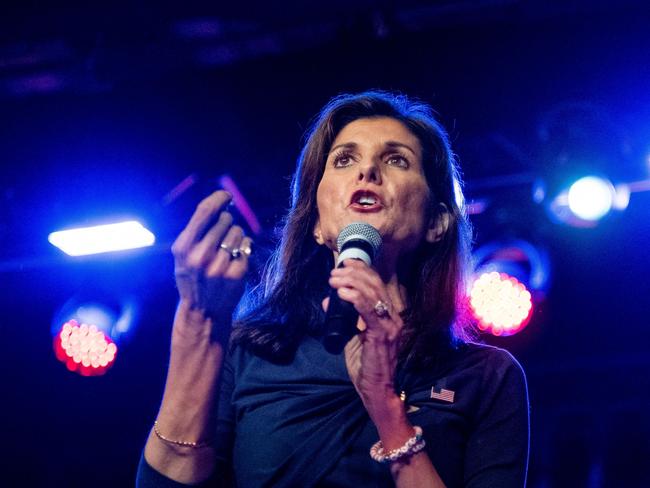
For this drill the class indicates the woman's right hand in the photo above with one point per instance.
(209, 279)
(210, 283)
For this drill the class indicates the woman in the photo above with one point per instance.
(436, 409)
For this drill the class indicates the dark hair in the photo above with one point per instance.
(286, 305)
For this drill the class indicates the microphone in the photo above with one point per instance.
(357, 240)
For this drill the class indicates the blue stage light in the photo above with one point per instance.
(102, 238)
(590, 198)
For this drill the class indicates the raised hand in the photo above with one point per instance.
(211, 259)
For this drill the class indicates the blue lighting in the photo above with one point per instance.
(116, 316)
(102, 238)
(590, 198)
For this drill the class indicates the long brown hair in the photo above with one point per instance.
(287, 303)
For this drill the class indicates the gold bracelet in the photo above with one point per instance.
(195, 445)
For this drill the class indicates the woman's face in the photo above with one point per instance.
(374, 174)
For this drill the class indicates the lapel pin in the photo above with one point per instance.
(444, 395)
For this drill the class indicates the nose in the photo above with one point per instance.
(369, 171)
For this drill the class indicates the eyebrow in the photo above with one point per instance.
(391, 144)
(402, 145)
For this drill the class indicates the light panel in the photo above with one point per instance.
(102, 238)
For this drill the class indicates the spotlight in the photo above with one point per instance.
(590, 198)
(86, 334)
(501, 303)
(102, 238)
(509, 279)
(84, 349)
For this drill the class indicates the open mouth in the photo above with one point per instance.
(366, 200)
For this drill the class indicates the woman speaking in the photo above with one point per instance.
(374, 237)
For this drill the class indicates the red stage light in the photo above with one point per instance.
(84, 349)
(501, 304)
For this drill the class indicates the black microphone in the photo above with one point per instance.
(357, 240)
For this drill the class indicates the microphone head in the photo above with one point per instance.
(358, 240)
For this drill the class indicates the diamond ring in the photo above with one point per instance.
(381, 309)
(234, 253)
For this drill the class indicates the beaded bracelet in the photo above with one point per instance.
(195, 445)
(412, 446)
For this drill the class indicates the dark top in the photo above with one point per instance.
(303, 424)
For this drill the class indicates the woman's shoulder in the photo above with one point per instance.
(486, 360)
(478, 351)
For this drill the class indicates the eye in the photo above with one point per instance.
(397, 160)
(342, 159)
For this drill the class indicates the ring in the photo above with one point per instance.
(247, 251)
(381, 309)
(234, 253)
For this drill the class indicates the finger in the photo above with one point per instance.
(370, 287)
(237, 267)
(204, 251)
(205, 213)
(350, 295)
(325, 303)
(223, 255)
(361, 281)
(357, 270)
(354, 263)
(386, 325)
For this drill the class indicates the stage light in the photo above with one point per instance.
(84, 348)
(501, 303)
(590, 198)
(621, 198)
(86, 333)
(509, 279)
(102, 238)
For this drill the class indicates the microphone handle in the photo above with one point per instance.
(341, 319)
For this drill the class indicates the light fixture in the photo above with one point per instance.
(509, 279)
(102, 238)
(87, 333)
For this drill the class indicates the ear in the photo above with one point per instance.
(438, 224)
(318, 234)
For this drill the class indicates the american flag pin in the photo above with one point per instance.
(444, 395)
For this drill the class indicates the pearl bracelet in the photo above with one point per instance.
(412, 446)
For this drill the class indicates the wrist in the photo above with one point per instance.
(194, 326)
(391, 422)
(412, 446)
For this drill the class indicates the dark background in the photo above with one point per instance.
(106, 109)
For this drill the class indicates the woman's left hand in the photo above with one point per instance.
(371, 359)
(371, 355)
